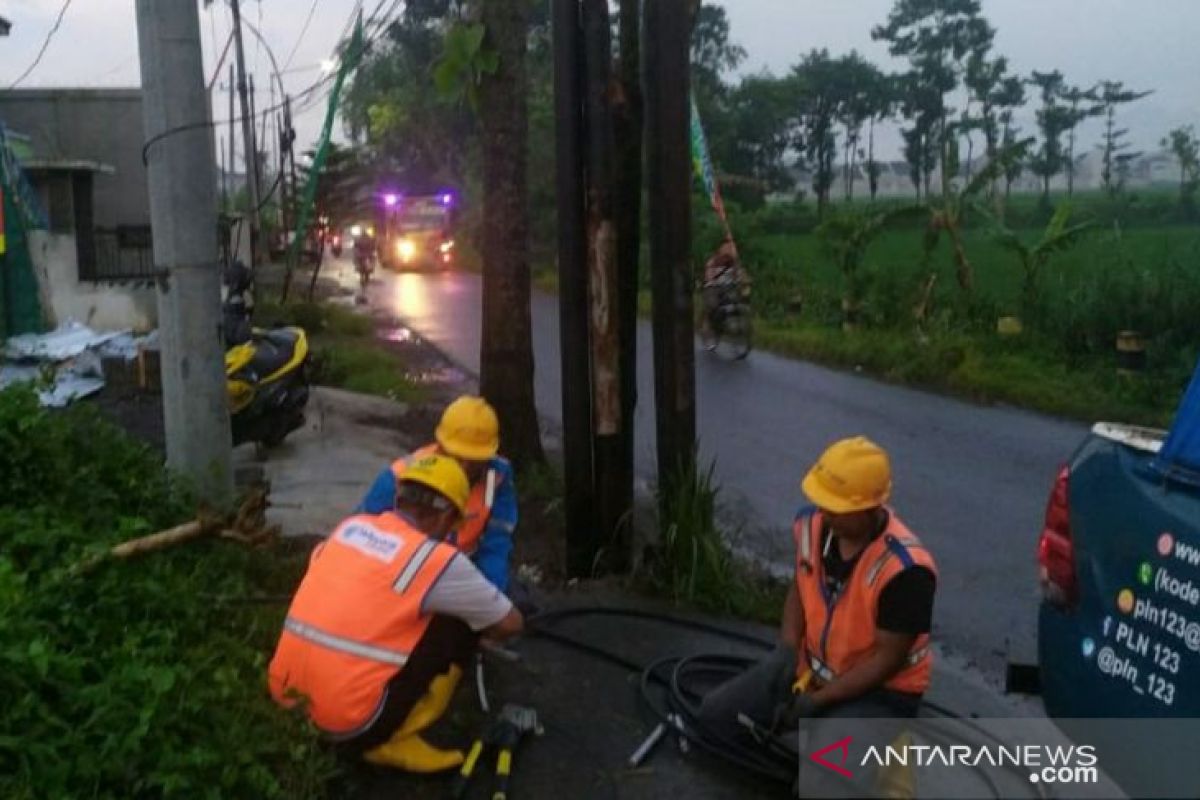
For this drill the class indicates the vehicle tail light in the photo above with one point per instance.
(1056, 550)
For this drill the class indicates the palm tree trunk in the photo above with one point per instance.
(506, 349)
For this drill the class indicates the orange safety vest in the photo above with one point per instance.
(479, 504)
(832, 646)
(355, 620)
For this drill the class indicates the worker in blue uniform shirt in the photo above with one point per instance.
(469, 431)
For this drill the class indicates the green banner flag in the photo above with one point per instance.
(702, 162)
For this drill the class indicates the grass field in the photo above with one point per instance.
(1143, 277)
(1142, 274)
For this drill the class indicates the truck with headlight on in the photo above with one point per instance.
(416, 232)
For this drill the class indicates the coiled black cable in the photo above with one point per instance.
(676, 678)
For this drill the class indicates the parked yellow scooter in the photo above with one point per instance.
(266, 370)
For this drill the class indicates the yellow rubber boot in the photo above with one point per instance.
(433, 703)
(897, 781)
(413, 754)
(406, 750)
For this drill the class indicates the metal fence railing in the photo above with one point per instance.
(121, 253)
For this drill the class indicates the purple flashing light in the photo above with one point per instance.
(390, 199)
(447, 199)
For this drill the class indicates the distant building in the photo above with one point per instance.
(81, 149)
(5, 26)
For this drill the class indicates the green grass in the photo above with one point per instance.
(981, 368)
(138, 678)
(346, 353)
(693, 566)
(787, 264)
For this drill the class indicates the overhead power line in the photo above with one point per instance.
(304, 30)
(62, 12)
(306, 99)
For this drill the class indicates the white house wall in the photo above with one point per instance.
(102, 306)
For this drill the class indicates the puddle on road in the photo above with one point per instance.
(401, 335)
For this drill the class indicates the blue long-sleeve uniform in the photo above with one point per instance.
(495, 546)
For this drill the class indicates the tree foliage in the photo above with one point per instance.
(1184, 145)
(1115, 147)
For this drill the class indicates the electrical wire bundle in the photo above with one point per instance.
(671, 689)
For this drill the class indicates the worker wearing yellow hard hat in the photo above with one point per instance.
(854, 556)
(384, 621)
(468, 431)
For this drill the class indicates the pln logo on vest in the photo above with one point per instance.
(371, 542)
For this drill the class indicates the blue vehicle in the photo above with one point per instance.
(1119, 561)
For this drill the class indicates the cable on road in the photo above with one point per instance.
(62, 12)
(677, 680)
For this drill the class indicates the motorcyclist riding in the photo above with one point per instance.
(364, 255)
(725, 282)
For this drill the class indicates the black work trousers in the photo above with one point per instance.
(446, 641)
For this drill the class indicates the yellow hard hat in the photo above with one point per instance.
(852, 475)
(442, 474)
(469, 429)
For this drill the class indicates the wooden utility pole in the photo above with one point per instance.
(613, 478)
(627, 120)
(666, 34)
(251, 154)
(183, 220)
(582, 540)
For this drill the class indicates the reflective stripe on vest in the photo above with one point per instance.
(823, 671)
(909, 542)
(414, 566)
(344, 645)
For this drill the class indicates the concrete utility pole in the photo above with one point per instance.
(248, 142)
(184, 224)
(665, 41)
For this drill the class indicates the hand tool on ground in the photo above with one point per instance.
(504, 734)
(647, 745)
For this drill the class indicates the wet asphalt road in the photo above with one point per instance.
(971, 480)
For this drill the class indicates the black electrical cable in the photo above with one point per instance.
(674, 674)
(381, 27)
(62, 12)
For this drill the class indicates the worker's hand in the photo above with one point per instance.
(791, 711)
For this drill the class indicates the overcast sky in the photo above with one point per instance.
(1145, 43)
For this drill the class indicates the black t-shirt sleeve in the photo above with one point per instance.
(906, 603)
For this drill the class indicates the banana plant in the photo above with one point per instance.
(1058, 237)
(847, 236)
(949, 215)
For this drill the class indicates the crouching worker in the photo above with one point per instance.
(856, 558)
(469, 431)
(384, 622)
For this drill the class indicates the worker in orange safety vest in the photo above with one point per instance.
(384, 621)
(854, 639)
